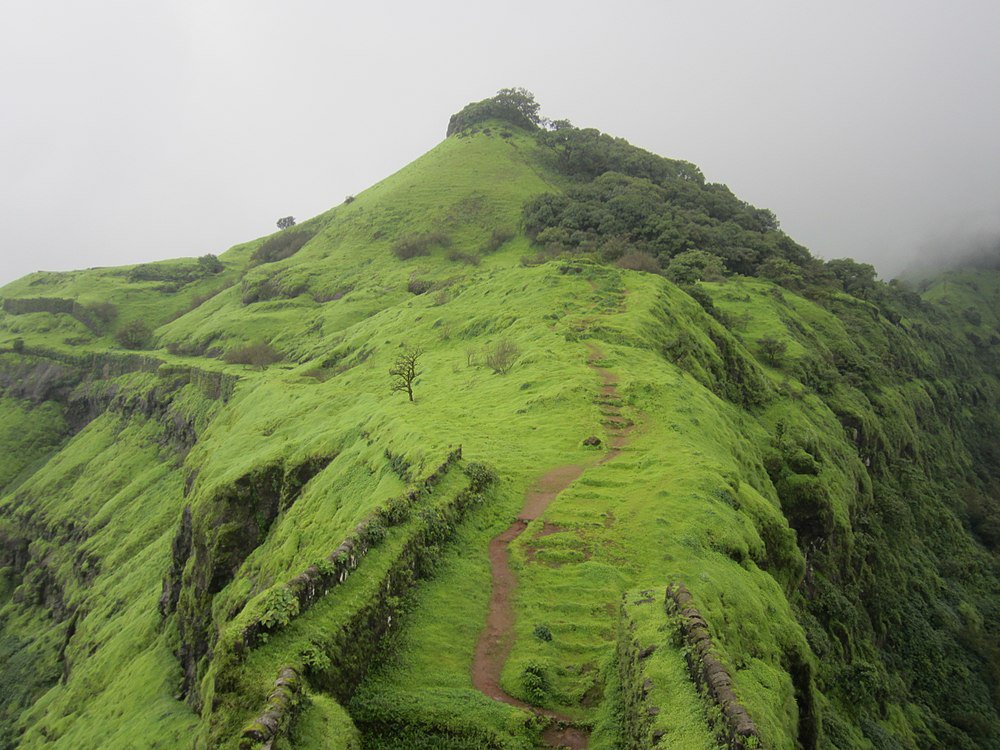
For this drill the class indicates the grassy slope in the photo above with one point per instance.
(689, 500)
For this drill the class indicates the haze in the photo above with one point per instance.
(134, 131)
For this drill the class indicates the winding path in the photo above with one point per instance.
(497, 637)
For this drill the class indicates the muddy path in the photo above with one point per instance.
(497, 637)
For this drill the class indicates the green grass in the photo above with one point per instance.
(694, 497)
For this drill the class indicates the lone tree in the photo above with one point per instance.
(286, 221)
(772, 350)
(404, 371)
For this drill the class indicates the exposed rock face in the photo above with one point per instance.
(219, 537)
(180, 551)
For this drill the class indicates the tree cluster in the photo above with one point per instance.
(514, 105)
(616, 213)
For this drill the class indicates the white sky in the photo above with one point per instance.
(133, 130)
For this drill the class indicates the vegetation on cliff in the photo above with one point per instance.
(231, 531)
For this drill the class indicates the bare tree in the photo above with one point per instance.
(404, 371)
(501, 356)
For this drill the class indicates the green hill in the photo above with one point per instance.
(222, 528)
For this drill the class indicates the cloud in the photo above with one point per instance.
(140, 130)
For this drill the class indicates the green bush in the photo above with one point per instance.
(542, 633)
(639, 261)
(801, 462)
(315, 659)
(134, 335)
(480, 475)
(210, 264)
(414, 245)
(280, 606)
(280, 246)
(419, 286)
(535, 682)
(805, 501)
(772, 350)
(258, 354)
(694, 265)
(102, 312)
(497, 239)
(457, 256)
(262, 289)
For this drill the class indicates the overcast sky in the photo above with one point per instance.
(133, 130)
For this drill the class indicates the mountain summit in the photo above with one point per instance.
(544, 440)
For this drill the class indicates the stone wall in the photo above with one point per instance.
(736, 729)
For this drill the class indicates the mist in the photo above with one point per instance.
(136, 131)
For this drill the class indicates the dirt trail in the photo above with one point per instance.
(497, 638)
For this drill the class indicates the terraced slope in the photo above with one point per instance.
(288, 554)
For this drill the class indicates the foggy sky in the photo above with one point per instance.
(133, 130)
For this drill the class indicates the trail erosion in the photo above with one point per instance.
(497, 637)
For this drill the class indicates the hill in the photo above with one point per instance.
(666, 480)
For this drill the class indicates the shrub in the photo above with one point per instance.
(349, 199)
(258, 354)
(102, 312)
(460, 257)
(325, 567)
(801, 462)
(805, 501)
(280, 606)
(134, 335)
(395, 511)
(188, 348)
(270, 287)
(314, 658)
(535, 682)
(399, 465)
(210, 264)
(374, 532)
(695, 265)
(639, 261)
(413, 245)
(542, 633)
(614, 248)
(280, 246)
(286, 222)
(497, 239)
(501, 356)
(419, 286)
(772, 350)
(480, 475)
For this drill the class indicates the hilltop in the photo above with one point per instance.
(642, 412)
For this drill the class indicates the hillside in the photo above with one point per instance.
(667, 480)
